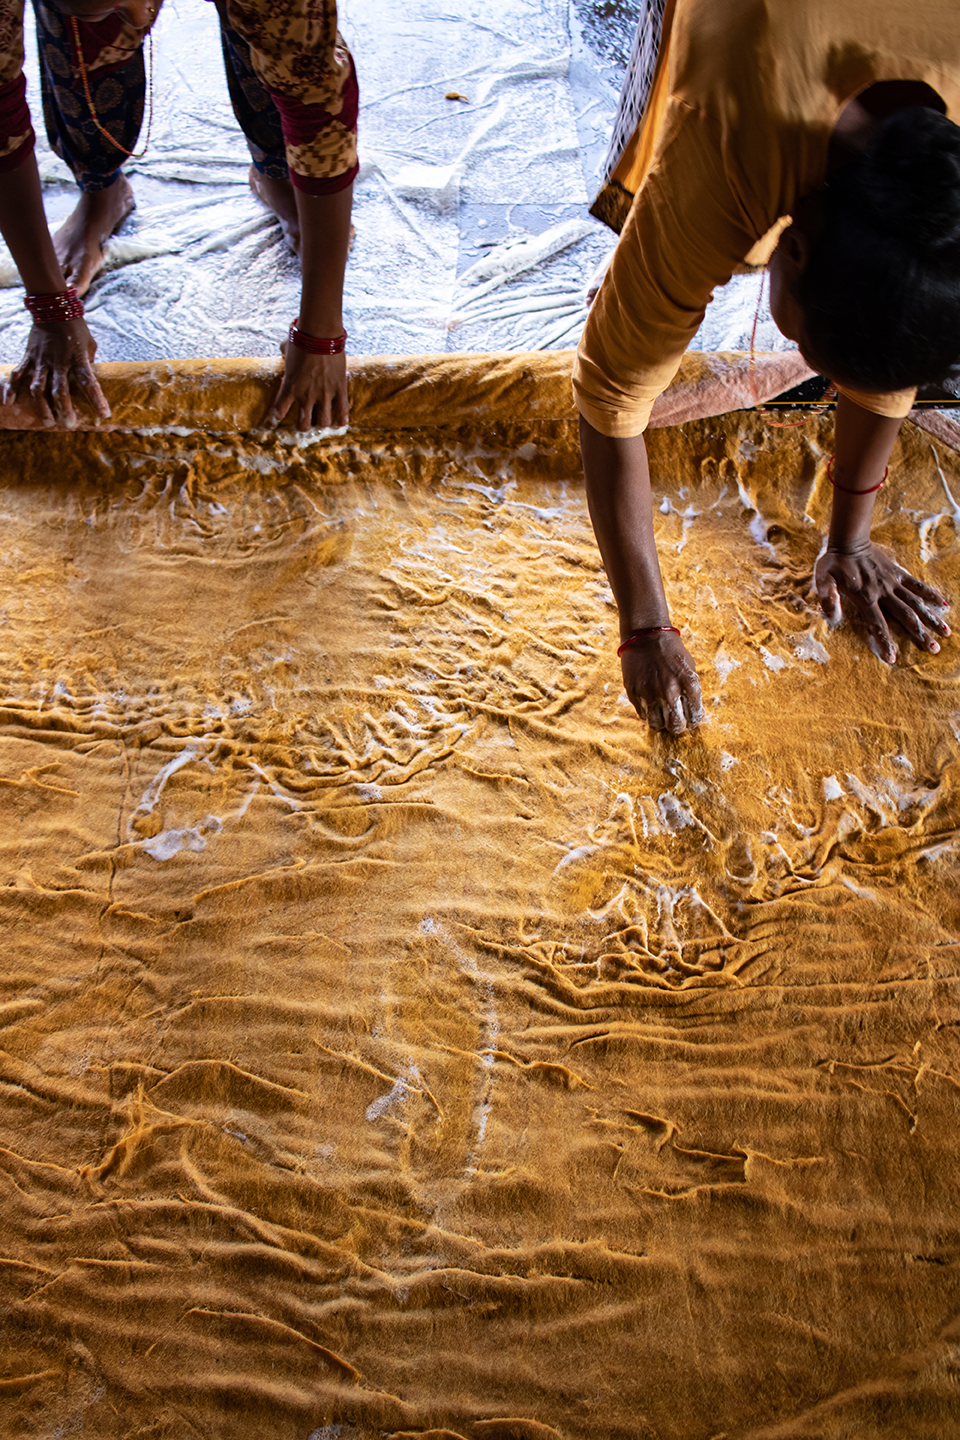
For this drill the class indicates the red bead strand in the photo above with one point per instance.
(58, 305)
(644, 634)
(870, 489)
(316, 344)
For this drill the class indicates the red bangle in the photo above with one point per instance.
(59, 305)
(844, 489)
(643, 634)
(313, 344)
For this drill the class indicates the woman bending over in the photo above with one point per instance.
(825, 134)
(293, 88)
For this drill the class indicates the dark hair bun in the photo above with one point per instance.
(881, 290)
(909, 178)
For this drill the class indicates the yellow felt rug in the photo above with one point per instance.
(396, 1038)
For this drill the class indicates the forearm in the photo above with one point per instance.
(863, 445)
(324, 243)
(852, 570)
(618, 494)
(23, 225)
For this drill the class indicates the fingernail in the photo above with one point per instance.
(933, 647)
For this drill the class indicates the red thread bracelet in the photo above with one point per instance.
(57, 305)
(644, 634)
(314, 344)
(844, 489)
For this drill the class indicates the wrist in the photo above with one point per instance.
(53, 328)
(850, 520)
(321, 318)
(43, 276)
(649, 634)
(56, 308)
(301, 339)
(848, 545)
(651, 618)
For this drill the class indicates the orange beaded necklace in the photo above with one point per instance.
(81, 66)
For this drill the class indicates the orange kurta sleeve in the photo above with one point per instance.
(684, 235)
(895, 404)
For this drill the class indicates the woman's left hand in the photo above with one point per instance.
(879, 591)
(316, 385)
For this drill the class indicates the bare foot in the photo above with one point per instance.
(80, 240)
(278, 196)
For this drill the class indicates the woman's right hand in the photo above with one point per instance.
(58, 355)
(661, 683)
